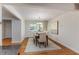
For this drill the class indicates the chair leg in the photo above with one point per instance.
(34, 41)
(45, 45)
(39, 44)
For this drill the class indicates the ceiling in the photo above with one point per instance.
(42, 11)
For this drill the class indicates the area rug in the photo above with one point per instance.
(31, 47)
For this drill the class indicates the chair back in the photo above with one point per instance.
(42, 37)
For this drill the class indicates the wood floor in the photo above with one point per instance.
(63, 51)
(6, 41)
(22, 47)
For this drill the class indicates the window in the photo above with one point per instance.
(36, 26)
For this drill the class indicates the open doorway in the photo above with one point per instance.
(7, 32)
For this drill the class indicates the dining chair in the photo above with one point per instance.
(42, 40)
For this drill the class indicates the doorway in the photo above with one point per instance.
(6, 32)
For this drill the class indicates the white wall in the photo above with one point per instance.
(22, 30)
(11, 9)
(52, 25)
(16, 30)
(7, 15)
(0, 25)
(17, 22)
(68, 30)
(12, 30)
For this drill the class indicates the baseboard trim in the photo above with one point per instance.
(72, 49)
(62, 45)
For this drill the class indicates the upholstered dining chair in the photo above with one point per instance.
(42, 40)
